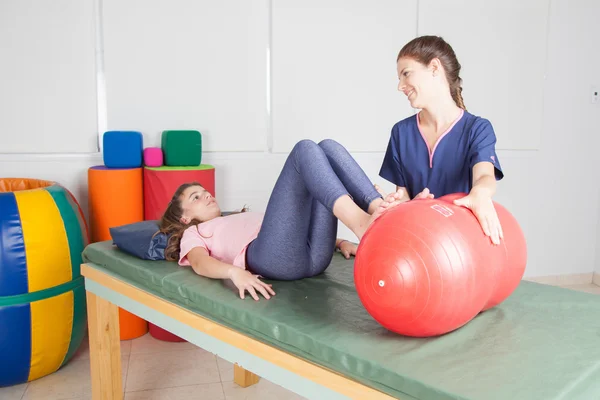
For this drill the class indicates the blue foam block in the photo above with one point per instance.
(122, 149)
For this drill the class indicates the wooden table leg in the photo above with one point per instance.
(105, 348)
(244, 378)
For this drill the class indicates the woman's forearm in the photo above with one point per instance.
(485, 185)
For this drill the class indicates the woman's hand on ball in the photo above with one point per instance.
(399, 195)
(424, 195)
(483, 208)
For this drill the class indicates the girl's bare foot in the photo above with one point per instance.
(379, 211)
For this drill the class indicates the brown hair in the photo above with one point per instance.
(170, 223)
(425, 48)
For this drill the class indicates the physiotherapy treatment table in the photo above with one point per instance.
(316, 339)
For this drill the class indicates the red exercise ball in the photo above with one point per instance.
(424, 268)
(511, 254)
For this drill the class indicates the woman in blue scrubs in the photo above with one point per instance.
(442, 149)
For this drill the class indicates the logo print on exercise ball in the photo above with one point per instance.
(445, 211)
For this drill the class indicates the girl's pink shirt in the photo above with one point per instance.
(225, 238)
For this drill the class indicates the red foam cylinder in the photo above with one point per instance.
(159, 186)
(161, 334)
(425, 267)
(160, 183)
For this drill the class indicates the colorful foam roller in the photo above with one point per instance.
(42, 295)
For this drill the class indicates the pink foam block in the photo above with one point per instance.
(153, 157)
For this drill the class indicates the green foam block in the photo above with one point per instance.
(182, 148)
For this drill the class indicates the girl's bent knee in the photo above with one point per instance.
(304, 144)
(329, 144)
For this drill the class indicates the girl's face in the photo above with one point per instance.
(198, 203)
(418, 82)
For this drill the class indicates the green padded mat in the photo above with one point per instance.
(543, 342)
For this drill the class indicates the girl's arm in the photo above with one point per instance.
(339, 241)
(208, 266)
(205, 265)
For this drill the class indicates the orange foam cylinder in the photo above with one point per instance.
(115, 197)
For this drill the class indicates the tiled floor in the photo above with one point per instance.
(156, 370)
(587, 287)
(152, 370)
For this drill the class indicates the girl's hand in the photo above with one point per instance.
(483, 208)
(245, 281)
(347, 248)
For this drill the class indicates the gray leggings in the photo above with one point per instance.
(298, 233)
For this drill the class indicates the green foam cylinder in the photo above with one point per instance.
(182, 148)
